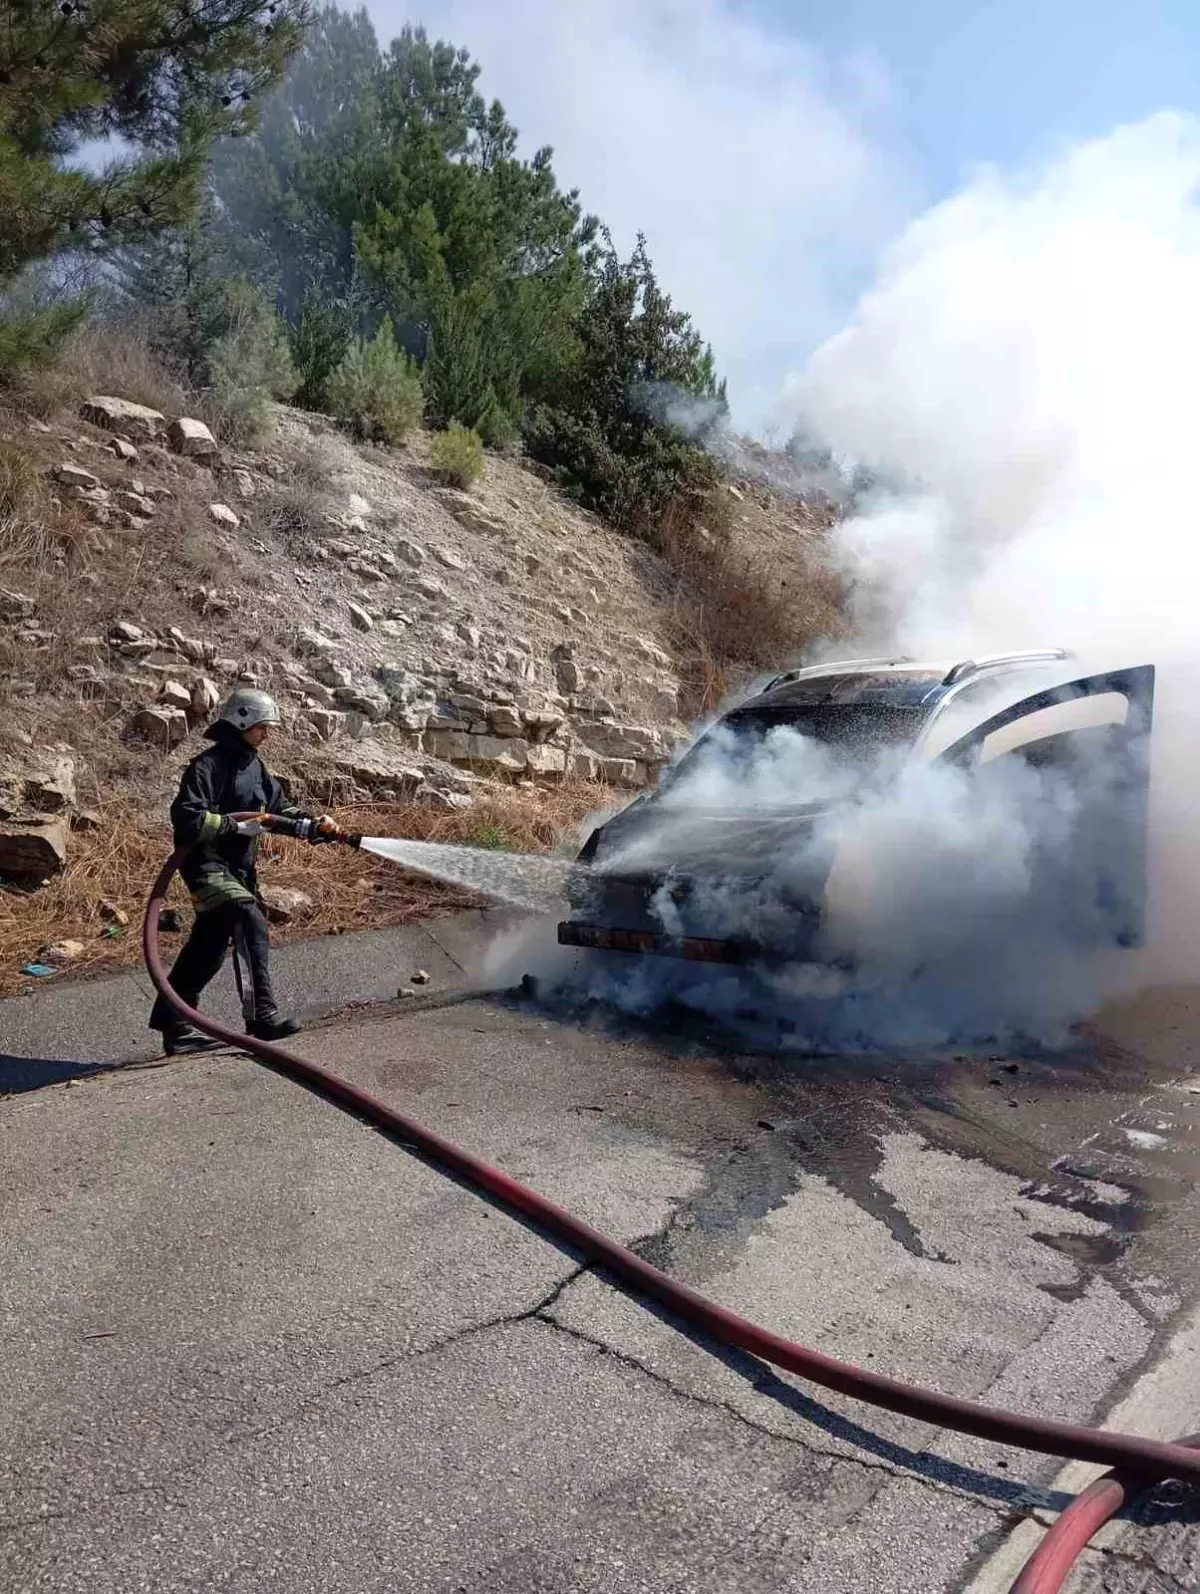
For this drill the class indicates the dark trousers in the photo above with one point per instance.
(204, 952)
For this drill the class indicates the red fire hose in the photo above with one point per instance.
(1143, 1460)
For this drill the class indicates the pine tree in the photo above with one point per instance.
(606, 425)
(157, 79)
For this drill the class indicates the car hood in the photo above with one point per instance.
(651, 839)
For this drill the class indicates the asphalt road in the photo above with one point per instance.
(248, 1345)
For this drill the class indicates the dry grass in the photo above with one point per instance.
(104, 358)
(298, 516)
(351, 890)
(734, 614)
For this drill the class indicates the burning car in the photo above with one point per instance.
(683, 871)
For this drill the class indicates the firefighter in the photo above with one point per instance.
(227, 778)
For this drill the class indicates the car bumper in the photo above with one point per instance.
(696, 949)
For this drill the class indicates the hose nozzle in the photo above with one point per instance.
(329, 831)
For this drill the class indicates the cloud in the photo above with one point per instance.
(750, 160)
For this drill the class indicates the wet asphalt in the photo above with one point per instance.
(246, 1344)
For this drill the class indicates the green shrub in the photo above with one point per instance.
(248, 366)
(489, 835)
(376, 389)
(320, 340)
(457, 454)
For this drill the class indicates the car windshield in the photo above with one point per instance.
(789, 756)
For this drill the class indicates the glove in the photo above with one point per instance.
(320, 830)
(248, 827)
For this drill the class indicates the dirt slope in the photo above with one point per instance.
(493, 663)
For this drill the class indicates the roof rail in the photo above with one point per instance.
(995, 661)
(834, 667)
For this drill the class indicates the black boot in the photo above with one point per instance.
(272, 1029)
(181, 1039)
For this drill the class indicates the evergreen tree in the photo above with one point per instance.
(162, 77)
(281, 199)
(605, 426)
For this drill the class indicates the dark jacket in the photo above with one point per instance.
(227, 778)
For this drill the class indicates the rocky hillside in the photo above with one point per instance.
(429, 646)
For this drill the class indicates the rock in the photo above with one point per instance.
(76, 476)
(653, 652)
(505, 720)
(433, 797)
(430, 587)
(393, 628)
(243, 483)
(373, 764)
(313, 643)
(448, 558)
(175, 695)
(357, 505)
(368, 700)
(33, 849)
(448, 745)
(124, 417)
(620, 772)
(333, 675)
(164, 727)
(664, 702)
(15, 606)
(468, 512)
(191, 647)
(60, 952)
(52, 789)
(327, 722)
(542, 719)
(92, 498)
(421, 977)
(567, 676)
(547, 763)
(136, 504)
(86, 819)
(410, 552)
(192, 438)
(321, 696)
(112, 914)
(126, 631)
(615, 741)
(495, 755)
(224, 516)
(123, 450)
(520, 666)
(359, 618)
(468, 634)
(583, 765)
(284, 903)
(206, 698)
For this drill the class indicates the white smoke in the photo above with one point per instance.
(1030, 355)
(1028, 358)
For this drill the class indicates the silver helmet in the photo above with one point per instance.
(247, 707)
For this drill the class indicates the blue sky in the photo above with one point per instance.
(985, 80)
(771, 149)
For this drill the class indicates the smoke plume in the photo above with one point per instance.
(1029, 357)
(1027, 360)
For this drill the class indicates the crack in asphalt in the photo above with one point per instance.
(315, 1398)
(714, 1403)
